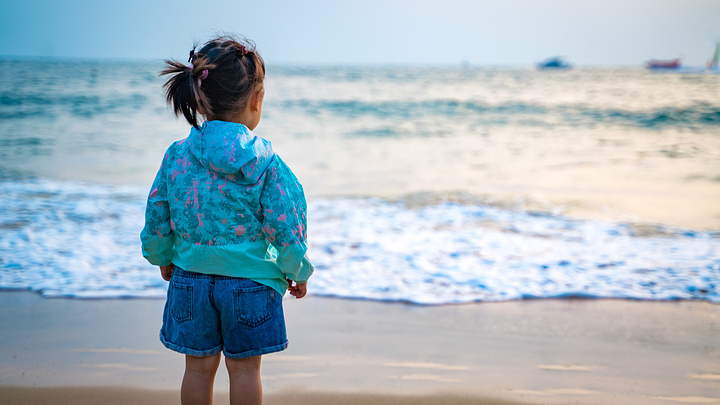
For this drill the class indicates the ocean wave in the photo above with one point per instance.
(698, 114)
(514, 114)
(18, 106)
(81, 240)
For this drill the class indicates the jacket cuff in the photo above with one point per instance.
(294, 263)
(158, 250)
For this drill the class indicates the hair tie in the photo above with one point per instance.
(203, 76)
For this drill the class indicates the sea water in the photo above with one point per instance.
(430, 185)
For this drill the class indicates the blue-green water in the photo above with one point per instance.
(425, 184)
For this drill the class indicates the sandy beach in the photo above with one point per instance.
(353, 352)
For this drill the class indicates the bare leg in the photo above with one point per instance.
(245, 383)
(199, 379)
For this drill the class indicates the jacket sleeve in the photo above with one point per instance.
(285, 220)
(157, 237)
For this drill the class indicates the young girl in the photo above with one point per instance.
(225, 221)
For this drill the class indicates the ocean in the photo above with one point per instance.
(426, 185)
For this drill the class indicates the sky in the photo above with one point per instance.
(375, 32)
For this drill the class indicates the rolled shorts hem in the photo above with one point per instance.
(256, 352)
(191, 352)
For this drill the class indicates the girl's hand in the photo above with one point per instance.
(297, 290)
(167, 271)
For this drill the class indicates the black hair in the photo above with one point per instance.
(220, 80)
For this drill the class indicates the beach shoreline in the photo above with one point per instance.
(586, 351)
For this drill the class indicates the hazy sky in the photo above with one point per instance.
(502, 32)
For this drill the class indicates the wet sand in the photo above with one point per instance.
(351, 352)
(113, 396)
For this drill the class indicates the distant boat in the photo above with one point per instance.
(664, 64)
(556, 62)
(675, 65)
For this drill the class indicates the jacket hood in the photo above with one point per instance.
(231, 149)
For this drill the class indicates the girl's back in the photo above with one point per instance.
(223, 203)
(226, 223)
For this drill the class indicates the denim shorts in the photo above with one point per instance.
(206, 314)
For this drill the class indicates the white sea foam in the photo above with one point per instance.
(75, 240)
(65, 239)
(452, 253)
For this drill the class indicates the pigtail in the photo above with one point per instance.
(184, 88)
(201, 71)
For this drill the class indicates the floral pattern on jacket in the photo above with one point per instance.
(223, 185)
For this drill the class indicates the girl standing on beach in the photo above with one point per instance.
(226, 223)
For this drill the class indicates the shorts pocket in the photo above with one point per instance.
(181, 301)
(253, 305)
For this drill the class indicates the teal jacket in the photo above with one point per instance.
(223, 203)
